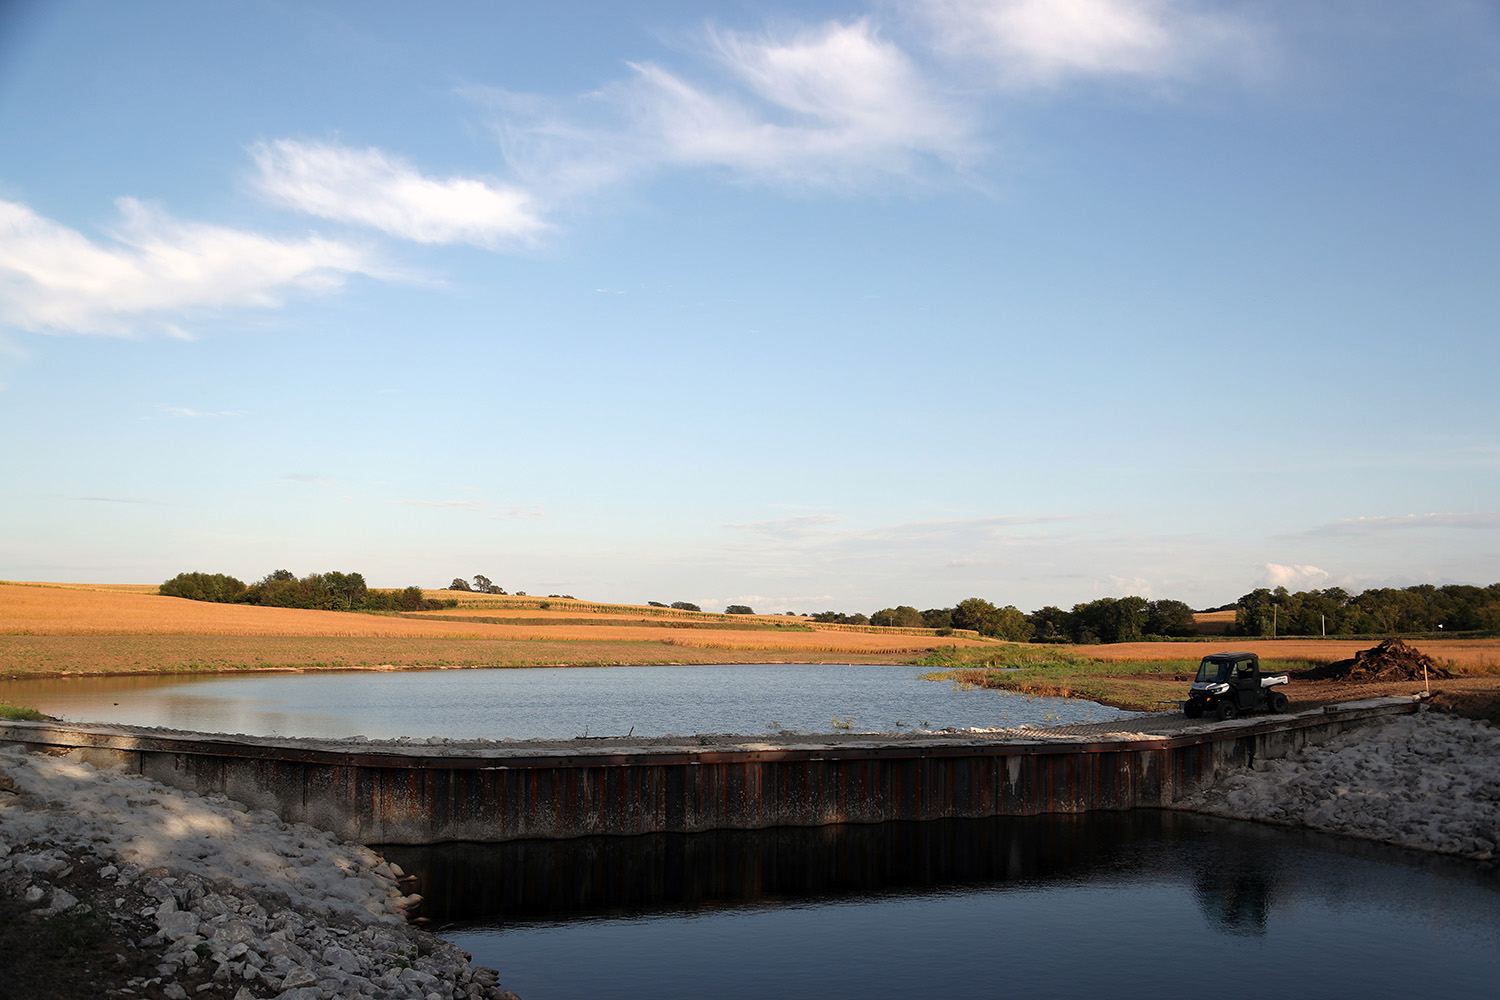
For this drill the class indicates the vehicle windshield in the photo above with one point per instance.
(1213, 670)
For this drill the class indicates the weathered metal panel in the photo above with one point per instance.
(396, 797)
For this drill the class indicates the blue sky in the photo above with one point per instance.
(825, 305)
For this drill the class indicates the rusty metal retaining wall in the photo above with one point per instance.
(419, 795)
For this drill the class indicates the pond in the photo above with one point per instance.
(1146, 904)
(549, 702)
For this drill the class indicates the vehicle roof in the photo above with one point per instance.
(1240, 655)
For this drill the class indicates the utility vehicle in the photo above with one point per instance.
(1230, 683)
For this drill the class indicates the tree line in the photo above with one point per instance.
(331, 591)
(1109, 619)
(1334, 611)
(1381, 610)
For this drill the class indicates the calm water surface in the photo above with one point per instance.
(1145, 904)
(548, 702)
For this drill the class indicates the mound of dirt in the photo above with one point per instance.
(1392, 660)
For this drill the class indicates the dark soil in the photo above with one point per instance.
(1392, 660)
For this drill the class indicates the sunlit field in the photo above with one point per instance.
(73, 629)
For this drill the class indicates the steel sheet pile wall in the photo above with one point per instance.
(396, 796)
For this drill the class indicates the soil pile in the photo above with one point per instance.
(1392, 660)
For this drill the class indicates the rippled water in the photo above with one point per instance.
(1145, 904)
(549, 702)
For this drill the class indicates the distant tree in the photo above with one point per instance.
(482, 583)
(739, 609)
(903, 616)
(1049, 624)
(685, 606)
(214, 587)
(973, 613)
(1009, 623)
(790, 612)
(1171, 618)
(655, 604)
(411, 599)
(459, 583)
(938, 618)
(279, 576)
(347, 587)
(1109, 619)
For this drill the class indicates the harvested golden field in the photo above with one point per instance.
(1212, 622)
(47, 629)
(24, 656)
(120, 588)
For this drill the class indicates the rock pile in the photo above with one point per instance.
(1392, 660)
(225, 902)
(1429, 781)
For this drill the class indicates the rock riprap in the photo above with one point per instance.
(232, 902)
(1428, 781)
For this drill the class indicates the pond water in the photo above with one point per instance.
(1146, 904)
(549, 702)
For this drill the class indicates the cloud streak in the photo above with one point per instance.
(1294, 577)
(1482, 520)
(369, 187)
(852, 104)
(1030, 44)
(155, 271)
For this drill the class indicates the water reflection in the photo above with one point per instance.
(1235, 893)
(1138, 904)
(1234, 874)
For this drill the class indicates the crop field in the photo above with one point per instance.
(52, 630)
(78, 630)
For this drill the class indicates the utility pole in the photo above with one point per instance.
(1274, 609)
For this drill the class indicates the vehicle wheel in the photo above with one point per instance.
(1278, 702)
(1228, 710)
(1192, 709)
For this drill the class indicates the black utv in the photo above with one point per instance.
(1230, 683)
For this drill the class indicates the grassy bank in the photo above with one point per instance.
(1059, 672)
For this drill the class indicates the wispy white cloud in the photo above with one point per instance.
(850, 104)
(370, 187)
(308, 479)
(155, 273)
(1409, 522)
(1134, 586)
(819, 104)
(828, 105)
(1044, 43)
(1294, 577)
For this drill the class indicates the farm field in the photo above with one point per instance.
(47, 629)
(74, 629)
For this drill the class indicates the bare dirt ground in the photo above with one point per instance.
(1464, 654)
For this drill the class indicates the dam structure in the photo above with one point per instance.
(422, 792)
